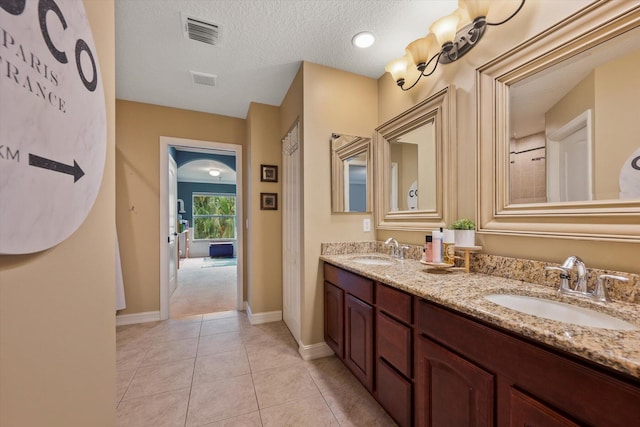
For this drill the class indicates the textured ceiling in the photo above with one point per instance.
(262, 45)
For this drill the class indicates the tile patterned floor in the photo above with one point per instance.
(219, 370)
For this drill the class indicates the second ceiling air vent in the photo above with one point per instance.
(201, 30)
(204, 78)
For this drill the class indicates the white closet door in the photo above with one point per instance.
(291, 231)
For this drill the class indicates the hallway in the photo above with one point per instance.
(219, 370)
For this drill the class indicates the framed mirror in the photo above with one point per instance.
(415, 166)
(559, 153)
(351, 175)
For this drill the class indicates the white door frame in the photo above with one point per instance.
(165, 142)
(555, 162)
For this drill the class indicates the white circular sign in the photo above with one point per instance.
(53, 133)
(412, 196)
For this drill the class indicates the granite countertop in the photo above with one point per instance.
(464, 292)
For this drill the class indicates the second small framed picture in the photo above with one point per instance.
(268, 173)
(269, 201)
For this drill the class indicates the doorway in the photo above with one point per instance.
(195, 264)
(570, 161)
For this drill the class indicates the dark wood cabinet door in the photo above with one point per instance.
(451, 391)
(394, 393)
(525, 411)
(358, 349)
(334, 318)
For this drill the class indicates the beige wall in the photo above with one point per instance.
(616, 121)
(578, 100)
(534, 17)
(340, 102)
(138, 130)
(57, 328)
(264, 248)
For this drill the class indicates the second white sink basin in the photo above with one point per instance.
(561, 312)
(373, 260)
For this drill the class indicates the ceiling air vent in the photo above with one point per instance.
(204, 78)
(201, 30)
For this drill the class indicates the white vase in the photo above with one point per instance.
(465, 238)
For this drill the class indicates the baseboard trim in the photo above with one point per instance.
(133, 318)
(266, 317)
(314, 351)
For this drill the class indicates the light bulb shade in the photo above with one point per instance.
(475, 8)
(445, 28)
(423, 49)
(465, 19)
(398, 68)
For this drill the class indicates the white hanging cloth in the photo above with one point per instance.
(120, 299)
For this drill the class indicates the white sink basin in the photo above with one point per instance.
(560, 312)
(373, 260)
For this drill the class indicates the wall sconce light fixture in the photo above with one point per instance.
(449, 38)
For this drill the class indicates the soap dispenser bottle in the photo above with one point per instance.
(437, 246)
(428, 249)
(448, 251)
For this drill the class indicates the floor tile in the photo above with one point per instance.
(167, 409)
(171, 351)
(189, 317)
(247, 420)
(221, 315)
(230, 366)
(354, 406)
(272, 355)
(130, 357)
(123, 379)
(281, 385)
(329, 373)
(220, 343)
(218, 326)
(268, 332)
(159, 378)
(221, 399)
(175, 330)
(308, 412)
(222, 365)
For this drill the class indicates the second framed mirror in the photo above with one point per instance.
(416, 166)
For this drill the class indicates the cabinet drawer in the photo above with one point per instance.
(394, 302)
(394, 394)
(352, 283)
(394, 343)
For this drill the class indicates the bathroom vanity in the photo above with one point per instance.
(434, 351)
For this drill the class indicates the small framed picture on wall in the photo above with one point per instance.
(268, 173)
(269, 201)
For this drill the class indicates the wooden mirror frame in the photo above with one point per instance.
(359, 145)
(611, 220)
(440, 108)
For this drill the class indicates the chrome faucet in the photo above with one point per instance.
(581, 269)
(571, 263)
(580, 288)
(397, 250)
(393, 244)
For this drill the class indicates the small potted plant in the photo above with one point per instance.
(465, 232)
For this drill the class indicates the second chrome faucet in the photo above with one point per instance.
(580, 287)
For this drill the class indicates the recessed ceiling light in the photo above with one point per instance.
(363, 39)
(214, 172)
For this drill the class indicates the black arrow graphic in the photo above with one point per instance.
(41, 162)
